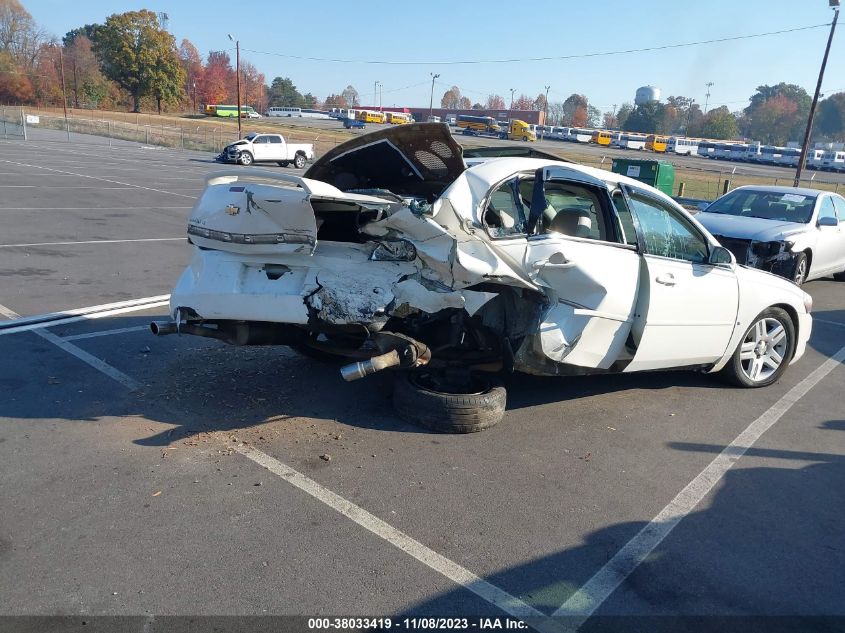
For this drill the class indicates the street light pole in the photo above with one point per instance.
(806, 146)
(545, 112)
(512, 91)
(64, 94)
(238, 78)
(431, 99)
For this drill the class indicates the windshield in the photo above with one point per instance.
(251, 136)
(768, 205)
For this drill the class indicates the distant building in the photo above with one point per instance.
(646, 94)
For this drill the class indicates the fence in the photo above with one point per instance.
(12, 121)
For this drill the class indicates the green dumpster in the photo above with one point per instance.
(657, 173)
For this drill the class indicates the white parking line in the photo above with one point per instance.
(89, 208)
(815, 320)
(65, 187)
(448, 568)
(120, 330)
(53, 319)
(145, 239)
(81, 354)
(114, 182)
(597, 589)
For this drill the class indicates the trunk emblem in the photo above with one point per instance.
(233, 210)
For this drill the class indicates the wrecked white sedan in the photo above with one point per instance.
(394, 252)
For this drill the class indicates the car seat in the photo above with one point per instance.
(572, 221)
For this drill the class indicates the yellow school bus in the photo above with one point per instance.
(601, 137)
(398, 118)
(371, 116)
(655, 143)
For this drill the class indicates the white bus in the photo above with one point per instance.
(579, 135)
(291, 112)
(737, 152)
(705, 149)
(833, 160)
(789, 157)
(681, 145)
(625, 140)
(814, 158)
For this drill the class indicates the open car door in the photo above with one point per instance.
(559, 225)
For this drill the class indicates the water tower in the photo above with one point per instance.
(646, 94)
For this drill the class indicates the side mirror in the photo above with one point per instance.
(828, 221)
(720, 256)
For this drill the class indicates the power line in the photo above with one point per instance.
(539, 59)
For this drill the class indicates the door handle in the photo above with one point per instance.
(560, 262)
(667, 279)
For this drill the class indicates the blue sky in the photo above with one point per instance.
(449, 31)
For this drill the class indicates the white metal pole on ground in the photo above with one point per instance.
(4, 122)
(109, 122)
(23, 123)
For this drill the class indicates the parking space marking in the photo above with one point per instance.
(88, 208)
(828, 322)
(114, 182)
(597, 589)
(439, 563)
(53, 319)
(64, 187)
(81, 354)
(143, 239)
(120, 330)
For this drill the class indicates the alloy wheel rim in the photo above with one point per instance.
(763, 349)
(800, 270)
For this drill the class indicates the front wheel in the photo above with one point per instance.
(246, 159)
(524, 139)
(299, 161)
(429, 400)
(800, 268)
(764, 352)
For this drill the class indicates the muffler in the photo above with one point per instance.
(397, 350)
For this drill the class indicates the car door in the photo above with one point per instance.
(570, 245)
(261, 147)
(830, 242)
(275, 147)
(687, 308)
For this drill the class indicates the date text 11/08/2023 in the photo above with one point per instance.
(413, 624)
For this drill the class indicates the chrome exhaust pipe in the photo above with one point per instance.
(354, 371)
(162, 328)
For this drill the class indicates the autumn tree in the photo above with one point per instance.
(140, 56)
(451, 98)
(252, 85)
(335, 101)
(350, 95)
(20, 37)
(609, 121)
(524, 102)
(15, 86)
(216, 78)
(191, 62)
(574, 103)
(774, 121)
(539, 102)
(85, 83)
(494, 102)
(622, 115)
(646, 118)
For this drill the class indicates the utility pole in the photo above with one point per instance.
(380, 86)
(512, 91)
(545, 111)
(238, 78)
(431, 99)
(806, 146)
(707, 96)
(689, 116)
(375, 93)
(64, 94)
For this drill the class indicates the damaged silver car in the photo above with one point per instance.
(395, 252)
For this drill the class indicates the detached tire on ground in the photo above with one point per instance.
(417, 400)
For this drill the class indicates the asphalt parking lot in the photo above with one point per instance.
(178, 476)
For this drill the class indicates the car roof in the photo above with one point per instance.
(803, 191)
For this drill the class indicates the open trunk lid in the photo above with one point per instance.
(265, 212)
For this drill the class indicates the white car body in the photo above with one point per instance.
(274, 248)
(267, 148)
(773, 244)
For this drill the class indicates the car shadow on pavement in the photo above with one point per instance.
(766, 541)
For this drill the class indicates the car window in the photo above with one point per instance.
(275, 139)
(505, 215)
(571, 209)
(827, 209)
(625, 219)
(260, 139)
(666, 232)
(839, 204)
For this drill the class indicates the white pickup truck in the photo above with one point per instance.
(268, 148)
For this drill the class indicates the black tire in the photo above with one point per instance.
(800, 268)
(246, 159)
(738, 374)
(419, 403)
(524, 139)
(839, 276)
(299, 161)
(283, 163)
